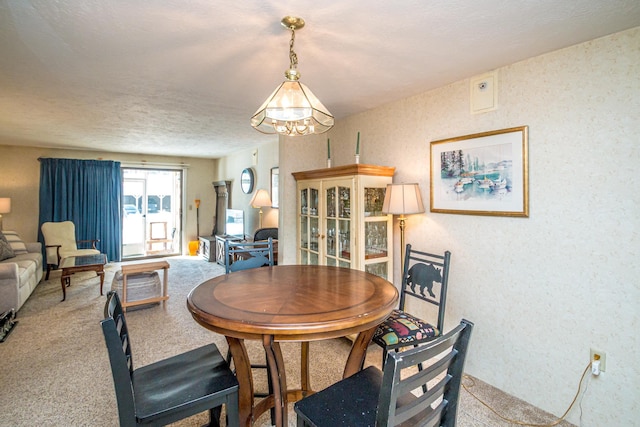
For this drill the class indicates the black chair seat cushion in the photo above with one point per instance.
(170, 384)
(402, 329)
(335, 405)
(352, 402)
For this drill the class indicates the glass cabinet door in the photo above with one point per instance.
(344, 226)
(331, 241)
(373, 200)
(377, 233)
(309, 226)
(376, 242)
(375, 239)
(337, 225)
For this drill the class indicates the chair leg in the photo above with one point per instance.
(232, 411)
(48, 270)
(302, 423)
(228, 357)
(269, 383)
(384, 357)
(214, 416)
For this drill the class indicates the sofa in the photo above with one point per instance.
(21, 270)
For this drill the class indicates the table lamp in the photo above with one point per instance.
(402, 199)
(5, 207)
(260, 200)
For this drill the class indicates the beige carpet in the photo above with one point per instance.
(55, 370)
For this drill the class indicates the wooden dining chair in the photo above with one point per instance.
(425, 278)
(171, 389)
(246, 255)
(394, 396)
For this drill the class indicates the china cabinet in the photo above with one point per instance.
(340, 219)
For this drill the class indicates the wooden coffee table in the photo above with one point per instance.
(76, 264)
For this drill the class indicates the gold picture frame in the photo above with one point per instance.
(481, 174)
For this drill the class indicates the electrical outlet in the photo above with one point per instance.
(602, 357)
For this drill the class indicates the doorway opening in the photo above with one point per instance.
(151, 214)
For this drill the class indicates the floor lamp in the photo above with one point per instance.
(260, 200)
(402, 199)
(5, 207)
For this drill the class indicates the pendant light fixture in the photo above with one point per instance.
(292, 109)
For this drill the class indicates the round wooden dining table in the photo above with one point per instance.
(290, 303)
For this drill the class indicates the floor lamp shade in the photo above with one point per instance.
(260, 200)
(5, 207)
(402, 199)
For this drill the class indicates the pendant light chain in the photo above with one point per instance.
(292, 109)
(293, 58)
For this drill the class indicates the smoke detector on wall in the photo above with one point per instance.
(484, 93)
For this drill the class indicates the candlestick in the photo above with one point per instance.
(358, 145)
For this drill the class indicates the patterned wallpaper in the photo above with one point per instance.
(541, 290)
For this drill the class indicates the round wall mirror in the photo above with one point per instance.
(247, 180)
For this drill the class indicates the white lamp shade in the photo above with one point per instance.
(292, 109)
(5, 205)
(402, 199)
(261, 199)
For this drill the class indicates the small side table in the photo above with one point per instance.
(220, 253)
(207, 248)
(132, 271)
(76, 264)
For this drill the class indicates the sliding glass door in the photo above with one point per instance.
(151, 212)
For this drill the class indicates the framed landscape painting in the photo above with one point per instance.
(481, 174)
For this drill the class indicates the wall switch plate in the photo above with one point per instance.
(603, 358)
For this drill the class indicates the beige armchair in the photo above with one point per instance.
(60, 242)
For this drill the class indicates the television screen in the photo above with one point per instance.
(234, 225)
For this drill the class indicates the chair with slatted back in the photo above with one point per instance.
(393, 396)
(246, 255)
(171, 389)
(424, 278)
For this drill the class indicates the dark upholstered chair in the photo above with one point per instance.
(171, 389)
(265, 233)
(425, 277)
(393, 396)
(246, 255)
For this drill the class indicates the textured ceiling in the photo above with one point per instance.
(183, 78)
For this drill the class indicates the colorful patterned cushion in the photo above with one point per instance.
(402, 328)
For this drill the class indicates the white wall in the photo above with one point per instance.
(230, 168)
(541, 290)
